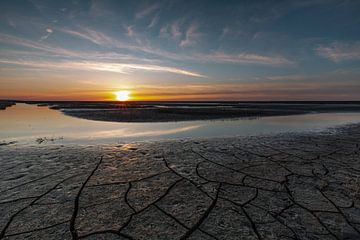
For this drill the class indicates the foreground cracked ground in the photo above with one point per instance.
(292, 186)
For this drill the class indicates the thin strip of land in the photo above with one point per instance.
(5, 104)
(188, 111)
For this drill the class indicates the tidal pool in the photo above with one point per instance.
(32, 124)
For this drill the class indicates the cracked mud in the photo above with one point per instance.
(289, 186)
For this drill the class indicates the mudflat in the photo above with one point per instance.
(285, 186)
(189, 111)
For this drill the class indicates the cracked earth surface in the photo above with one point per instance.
(289, 186)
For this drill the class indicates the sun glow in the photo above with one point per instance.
(122, 95)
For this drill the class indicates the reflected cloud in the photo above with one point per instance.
(124, 133)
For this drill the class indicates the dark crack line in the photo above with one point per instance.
(318, 219)
(126, 197)
(237, 184)
(253, 225)
(133, 181)
(233, 169)
(18, 199)
(203, 217)
(191, 181)
(171, 216)
(309, 211)
(38, 179)
(12, 167)
(206, 233)
(37, 229)
(339, 211)
(151, 204)
(2, 234)
(105, 232)
(276, 217)
(77, 199)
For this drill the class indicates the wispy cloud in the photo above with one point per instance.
(9, 39)
(96, 37)
(109, 42)
(192, 36)
(146, 11)
(175, 29)
(172, 31)
(247, 58)
(181, 35)
(130, 31)
(49, 31)
(338, 51)
(124, 68)
(157, 54)
(154, 21)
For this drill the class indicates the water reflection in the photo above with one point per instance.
(27, 123)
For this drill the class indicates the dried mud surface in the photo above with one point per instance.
(289, 186)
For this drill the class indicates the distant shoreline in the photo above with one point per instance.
(189, 111)
(170, 112)
(6, 104)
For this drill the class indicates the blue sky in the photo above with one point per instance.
(193, 50)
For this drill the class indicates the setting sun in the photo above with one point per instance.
(122, 95)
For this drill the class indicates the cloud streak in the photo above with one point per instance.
(9, 39)
(123, 68)
(148, 10)
(338, 51)
(246, 58)
(192, 36)
(157, 55)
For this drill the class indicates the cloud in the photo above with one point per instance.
(124, 68)
(9, 39)
(157, 54)
(96, 37)
(338, 51)
(49, 31)
(148, 10)
(192, 36)
(175, 29)
(172, 31)
(154, 21)
(107, 41)
(246, 58)
(130, 31)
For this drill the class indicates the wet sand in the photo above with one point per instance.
(285, 186)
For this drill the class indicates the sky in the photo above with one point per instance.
(180, 50)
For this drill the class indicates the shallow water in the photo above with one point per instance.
(27, 123)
